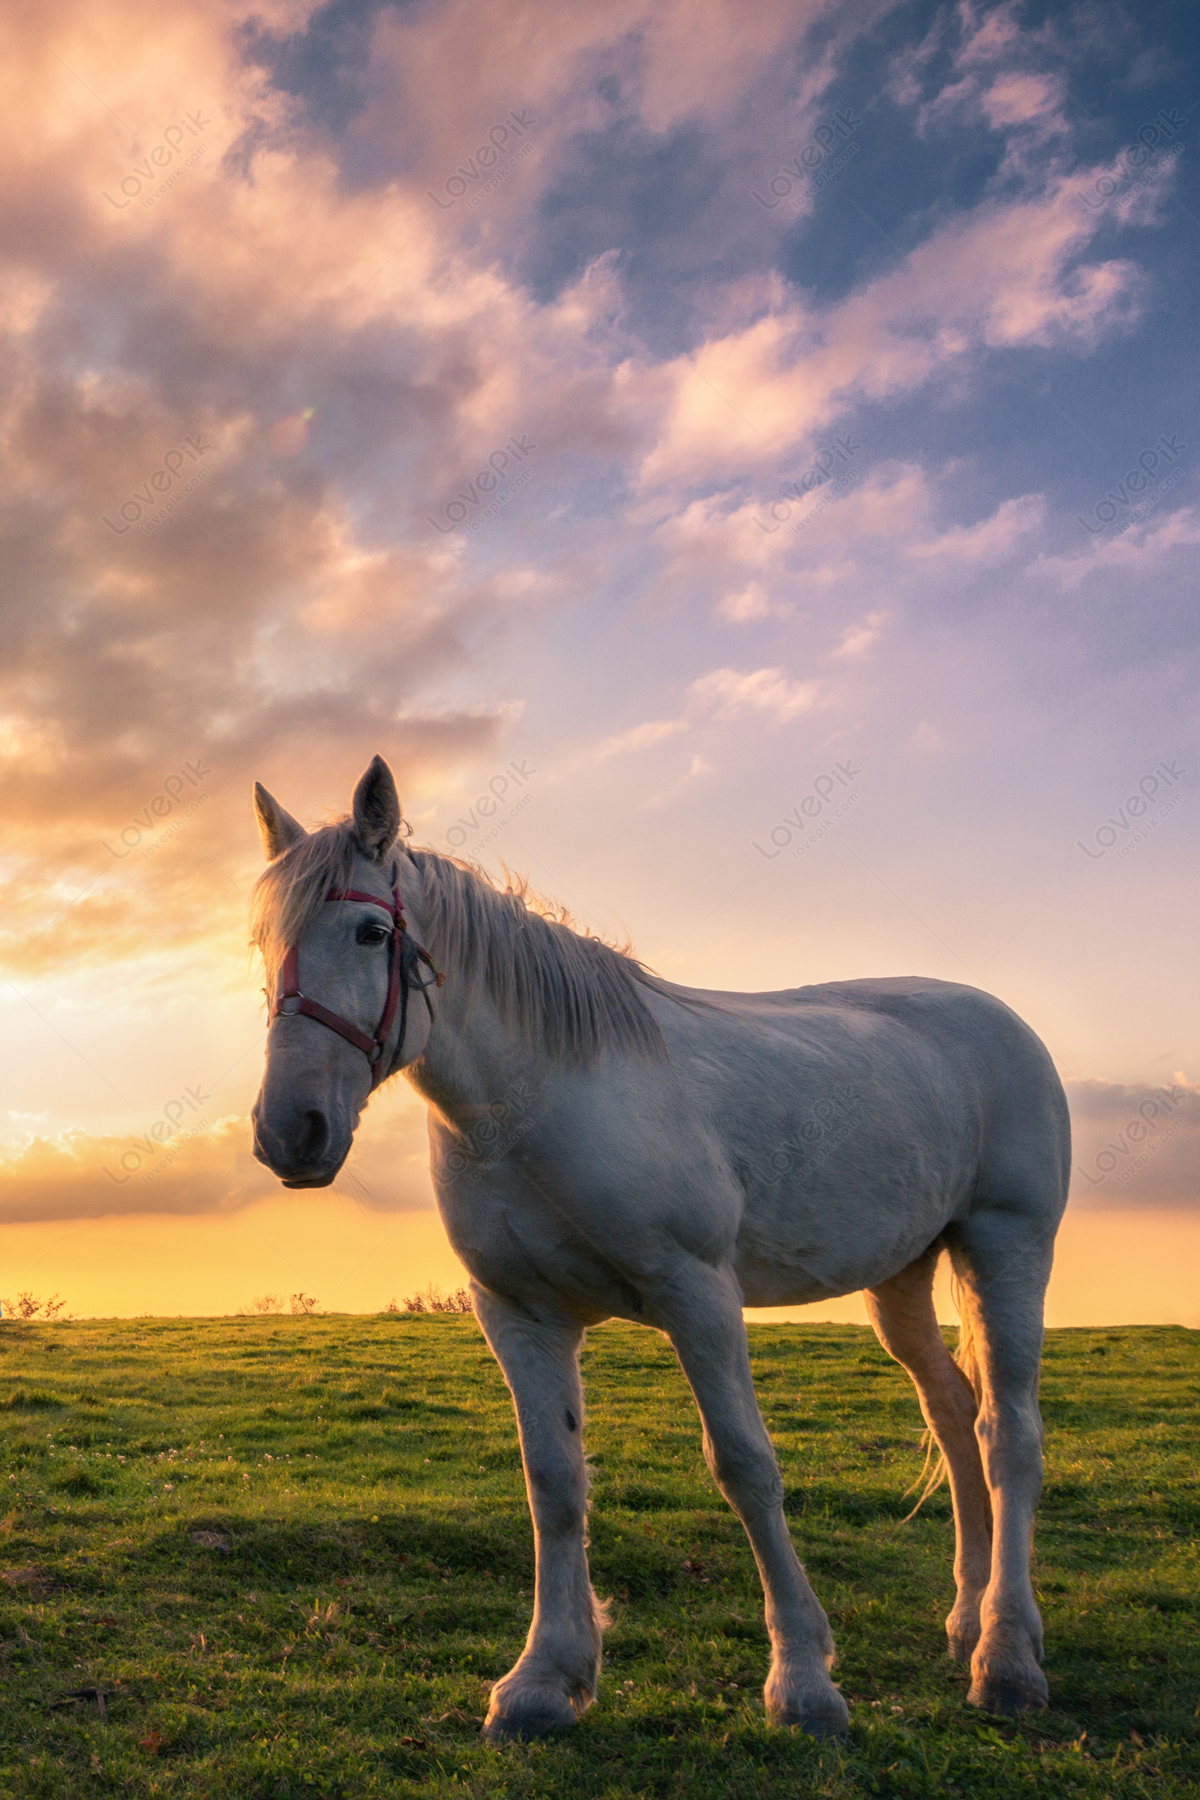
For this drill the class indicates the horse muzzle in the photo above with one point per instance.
(304, 1149)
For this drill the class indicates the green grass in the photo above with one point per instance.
(363, 1568)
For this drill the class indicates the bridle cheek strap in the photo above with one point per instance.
(403, 955)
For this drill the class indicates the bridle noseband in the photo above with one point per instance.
(404, 953)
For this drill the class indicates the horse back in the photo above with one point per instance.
(861, 1118)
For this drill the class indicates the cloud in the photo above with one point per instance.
(642, 737)
(724, 695)
(192, 1162)
(727, 694)
(998, 77)
(1012, 269)
(1005, 275)
(1024, 99)
(859, 638)
(790, 558)
(1137, 548)
(295, 603)
(991, 539)
(192, 588)
(1136, 1144)
(751, 602)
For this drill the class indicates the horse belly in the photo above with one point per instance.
(831, 1226)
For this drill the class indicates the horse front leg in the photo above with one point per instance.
(703, 1317)
(555, 1677)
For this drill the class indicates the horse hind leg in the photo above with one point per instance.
(1002, 1256)
(901, 1310)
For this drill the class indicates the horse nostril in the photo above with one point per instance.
(316, 1138)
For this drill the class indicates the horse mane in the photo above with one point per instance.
(565, 990)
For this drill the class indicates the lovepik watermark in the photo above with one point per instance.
(473, 179)
(143, 182)
(829, 466)
(1145, 1127)
(175, 1150)
(488, 806)
(827, 1125)
(502, 1125)
(164, 1129)
(799, 823)
(168, 832)
(474, 493)
(164, 479)
(1120, 831)
(1136, 164)
(169, 799)
(813, 167)
(1153, 468)
(505, 497)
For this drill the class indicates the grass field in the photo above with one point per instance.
(291, 1553)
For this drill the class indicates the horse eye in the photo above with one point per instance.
(369, 933)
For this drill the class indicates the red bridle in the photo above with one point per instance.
(403, 955)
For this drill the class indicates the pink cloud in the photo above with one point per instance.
(728, 694)
(991, 539)
(1007, 274)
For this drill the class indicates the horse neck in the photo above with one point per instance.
(474, 1061)
(474, 1058)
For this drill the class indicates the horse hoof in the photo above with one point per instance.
(1000, 1694)
(827, 1728)
(960, 1649)
(520, 1725)
(532, 1712)
(822, 1716)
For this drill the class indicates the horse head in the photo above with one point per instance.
(341, 967)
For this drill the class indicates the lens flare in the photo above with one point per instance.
(289, 436)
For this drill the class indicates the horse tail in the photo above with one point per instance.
(966, 1360)
(966, 1356)
(932, 1478)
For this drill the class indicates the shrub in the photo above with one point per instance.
(431, 1299)
(28, 1306)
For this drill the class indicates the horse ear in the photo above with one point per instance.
(279, 830)
(377, 810)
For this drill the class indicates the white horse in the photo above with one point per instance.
(605, 1144)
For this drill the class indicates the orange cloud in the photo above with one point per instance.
(192, 1160)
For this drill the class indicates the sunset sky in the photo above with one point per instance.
(832, 375)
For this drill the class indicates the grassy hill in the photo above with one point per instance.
(291, 1552)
